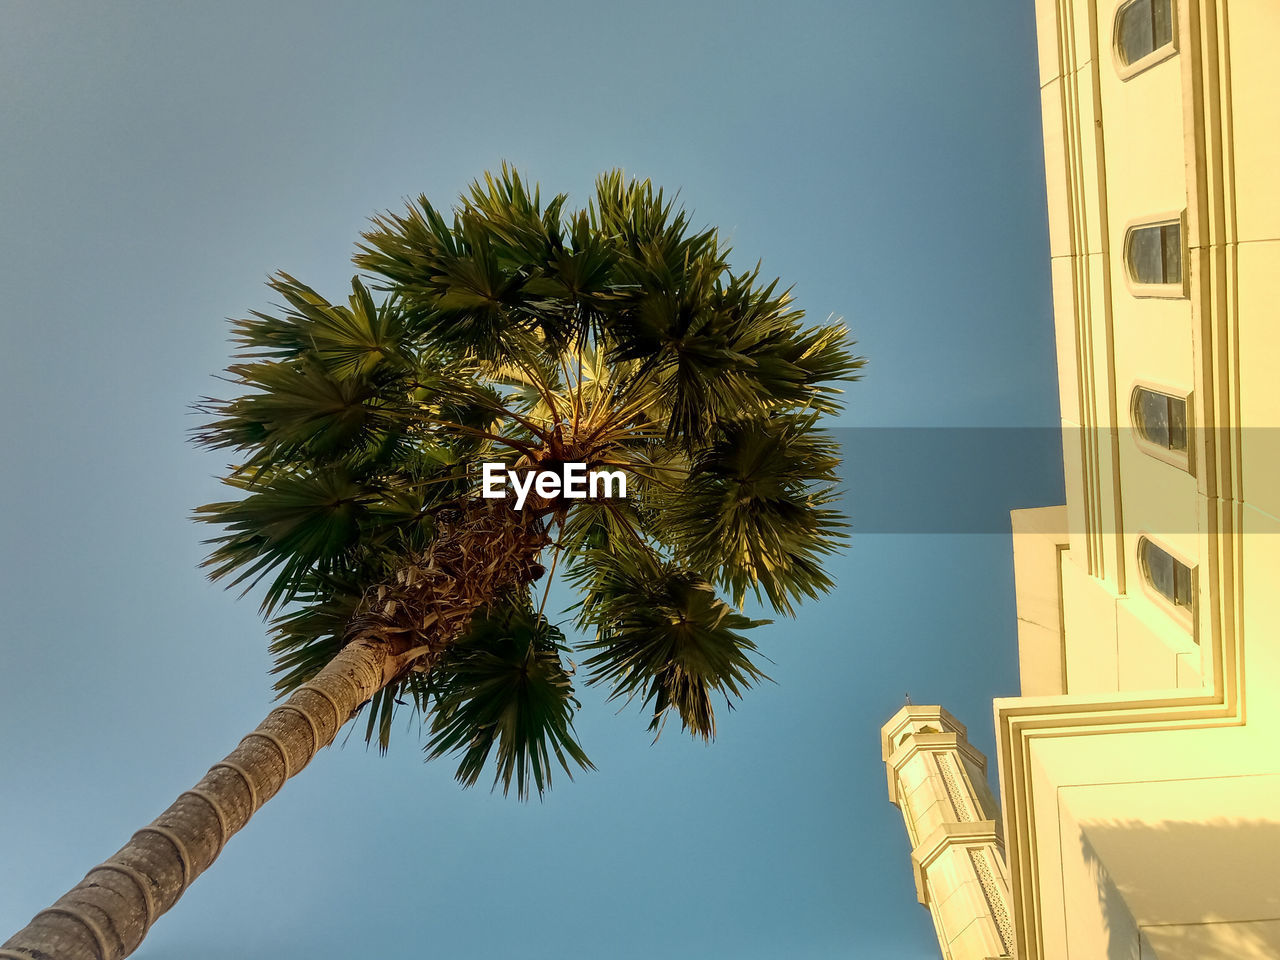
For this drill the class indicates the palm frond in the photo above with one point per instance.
(292, 524)
(503, 691)
(662, 634)
(755, 511)
(348, 341)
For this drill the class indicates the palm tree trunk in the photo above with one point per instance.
(106, 915)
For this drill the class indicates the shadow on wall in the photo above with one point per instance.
(1205, 890)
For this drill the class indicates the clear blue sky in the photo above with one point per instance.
(160, 159)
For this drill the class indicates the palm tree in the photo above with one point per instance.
(531, 338)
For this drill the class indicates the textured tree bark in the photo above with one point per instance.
(108, 913)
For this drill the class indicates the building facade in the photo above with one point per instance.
(1139, 772)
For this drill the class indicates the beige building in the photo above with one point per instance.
(1139, 772)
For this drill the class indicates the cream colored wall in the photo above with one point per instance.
(1039, 538)
(1143, 806)
(1115, 153)
(1252, 29)
(1255, 80)
(1143, 120)
(1157, 828)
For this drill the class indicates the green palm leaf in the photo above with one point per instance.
(503, 690)
(664, 635)
(291, 524)
(754, 512)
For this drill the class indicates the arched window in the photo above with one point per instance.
(1168, 576)
(1153, 254)
(1160, 419)
(1142, 28)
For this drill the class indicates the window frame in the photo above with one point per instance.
(1127, 71)
(1182, 459)
(1183, 614)
(1162, 291)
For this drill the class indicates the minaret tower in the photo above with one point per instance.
(957, 854)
